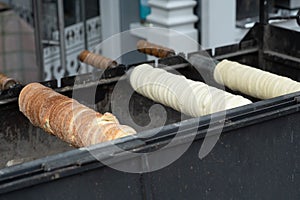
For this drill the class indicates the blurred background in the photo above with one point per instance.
(40, 39)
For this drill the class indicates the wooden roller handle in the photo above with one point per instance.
(6, 82)
(96, 60)
(154, 49)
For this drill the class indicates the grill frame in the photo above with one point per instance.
(262, 120)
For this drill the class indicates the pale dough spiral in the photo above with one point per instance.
(252, 81)
(190, 97)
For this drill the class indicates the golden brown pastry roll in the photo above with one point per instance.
(96, 60)
(6, 82)
(67, 118)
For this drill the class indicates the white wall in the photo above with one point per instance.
(218, 23)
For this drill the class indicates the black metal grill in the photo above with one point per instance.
(255, 157)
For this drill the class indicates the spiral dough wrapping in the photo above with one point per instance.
(252, 81)
(190, 97)
(67, 118)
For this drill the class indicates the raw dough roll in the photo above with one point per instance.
(252, 81)
(67, 118)
(192, 98)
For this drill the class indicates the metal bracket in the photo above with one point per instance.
(50, 42)
(298, 18)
